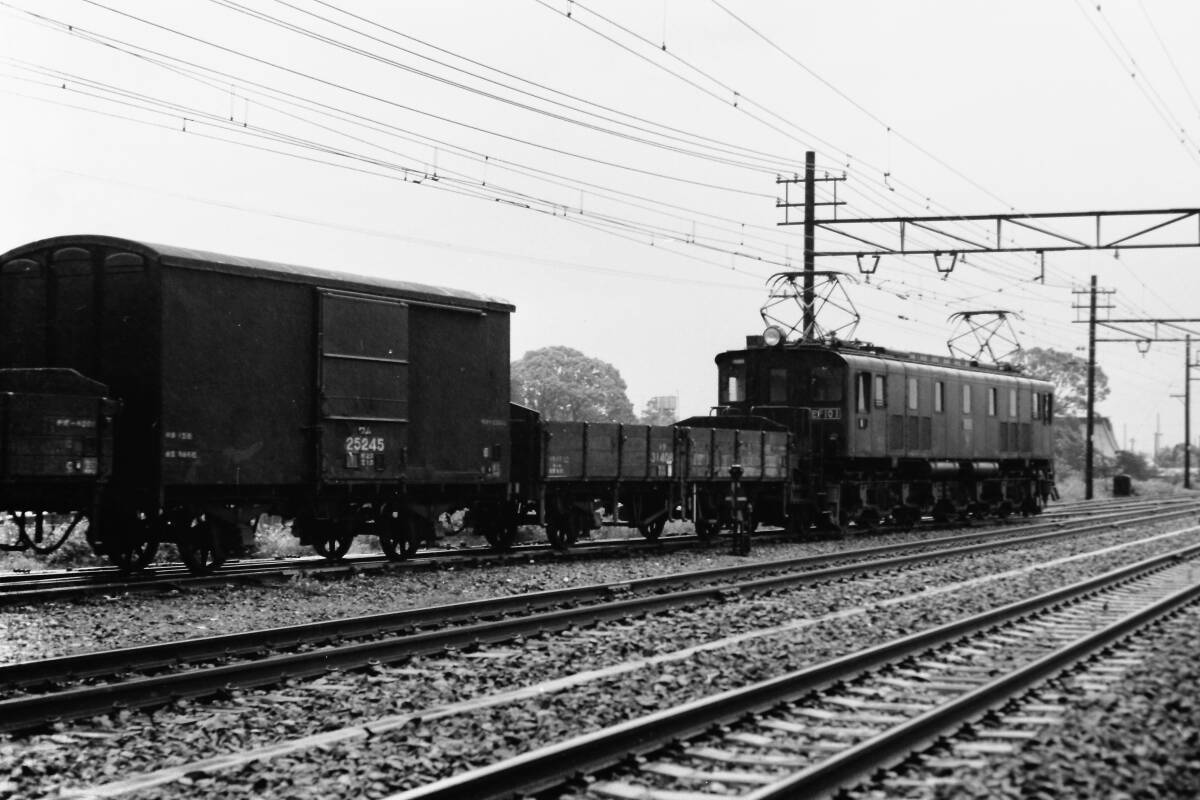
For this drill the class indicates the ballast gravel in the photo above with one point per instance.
(50, 629)
(108, 748)
(1140, 741)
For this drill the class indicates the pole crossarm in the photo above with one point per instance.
(1135, 336)
(1012, 232)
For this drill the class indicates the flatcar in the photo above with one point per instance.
(891, 436)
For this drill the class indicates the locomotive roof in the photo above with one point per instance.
(172, 255)
(858, 352)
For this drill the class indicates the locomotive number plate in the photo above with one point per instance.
(825, 413)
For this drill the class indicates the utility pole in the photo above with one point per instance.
(1187, 413)
(810, 239)
(1091, 393)
(810, 205)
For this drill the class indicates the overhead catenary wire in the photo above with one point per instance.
(405, 107)
(766, 162)
(481, 157)
(1151, 95)
(724, 86)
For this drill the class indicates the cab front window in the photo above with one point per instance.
(826, 385)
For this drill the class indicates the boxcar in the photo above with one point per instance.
(347, 403)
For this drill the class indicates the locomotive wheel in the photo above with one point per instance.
(652, 530)
(200, 546)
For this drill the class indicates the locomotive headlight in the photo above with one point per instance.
(772, 336)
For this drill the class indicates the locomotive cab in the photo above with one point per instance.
(800, 387)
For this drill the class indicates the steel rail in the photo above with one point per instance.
(31, 711)
(556, 764)
(894, 745)
(104, 663)
(18, 588)
(25, 588)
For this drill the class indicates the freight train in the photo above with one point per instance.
(151, 393)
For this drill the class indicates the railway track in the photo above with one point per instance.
(63, 584)
(95, 683)
(823, 729)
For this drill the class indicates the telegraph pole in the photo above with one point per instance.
(810, 239)
(810, 205)
(1091, 392)
(1187, 413)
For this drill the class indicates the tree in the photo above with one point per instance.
(657, 412)
(1134, 465)
(568, 386)
(1068, 373)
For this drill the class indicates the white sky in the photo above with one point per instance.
(1027, 105)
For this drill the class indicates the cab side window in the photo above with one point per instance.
(862, 392)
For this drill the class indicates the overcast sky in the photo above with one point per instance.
(610, 167)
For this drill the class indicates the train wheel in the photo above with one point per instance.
(556, 532)
(867, 520)
(331, 543)
(706, 530)
(137, 545)
(397, 537)
(500, 533)
(134, 556)
(200, 546)
(652, 530)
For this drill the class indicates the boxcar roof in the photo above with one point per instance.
(171, 255)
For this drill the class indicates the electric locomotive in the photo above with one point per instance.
(882, 435)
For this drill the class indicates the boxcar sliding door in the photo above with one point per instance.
(363, 374)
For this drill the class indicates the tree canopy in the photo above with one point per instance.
(568, 386)
(1068, 373)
